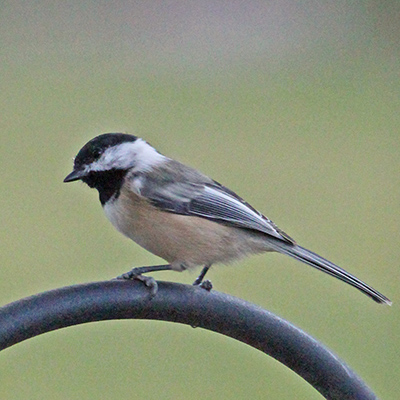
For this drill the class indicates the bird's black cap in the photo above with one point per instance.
(93, 149)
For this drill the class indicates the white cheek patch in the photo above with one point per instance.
(138, 155)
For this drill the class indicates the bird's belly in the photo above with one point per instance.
(183, 241)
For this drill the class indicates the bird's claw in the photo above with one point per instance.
(149, 281)
(206, 285)
(135, 274)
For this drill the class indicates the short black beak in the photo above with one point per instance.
(75, 176)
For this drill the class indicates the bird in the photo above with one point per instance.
(181, 215)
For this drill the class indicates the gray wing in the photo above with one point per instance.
(221, 204)
(202, 197)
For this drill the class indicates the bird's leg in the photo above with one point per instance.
(199, 280)
(137, 274)
(134, 272)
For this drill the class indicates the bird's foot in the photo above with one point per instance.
(206, 285)
(149, 281)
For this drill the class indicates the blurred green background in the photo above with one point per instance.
(296, 106)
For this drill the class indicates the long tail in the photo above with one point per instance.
(316, 261)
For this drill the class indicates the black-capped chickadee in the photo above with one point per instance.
(181, 215)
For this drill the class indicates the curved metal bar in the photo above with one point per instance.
(189, 305)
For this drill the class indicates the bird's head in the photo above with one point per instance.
(103, 162)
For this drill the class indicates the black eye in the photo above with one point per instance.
(95, 152)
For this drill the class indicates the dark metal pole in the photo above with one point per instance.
(189, 305)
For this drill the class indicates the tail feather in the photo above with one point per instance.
(316, 261)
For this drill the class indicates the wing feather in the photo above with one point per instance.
(202, 197)
(220, 204)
